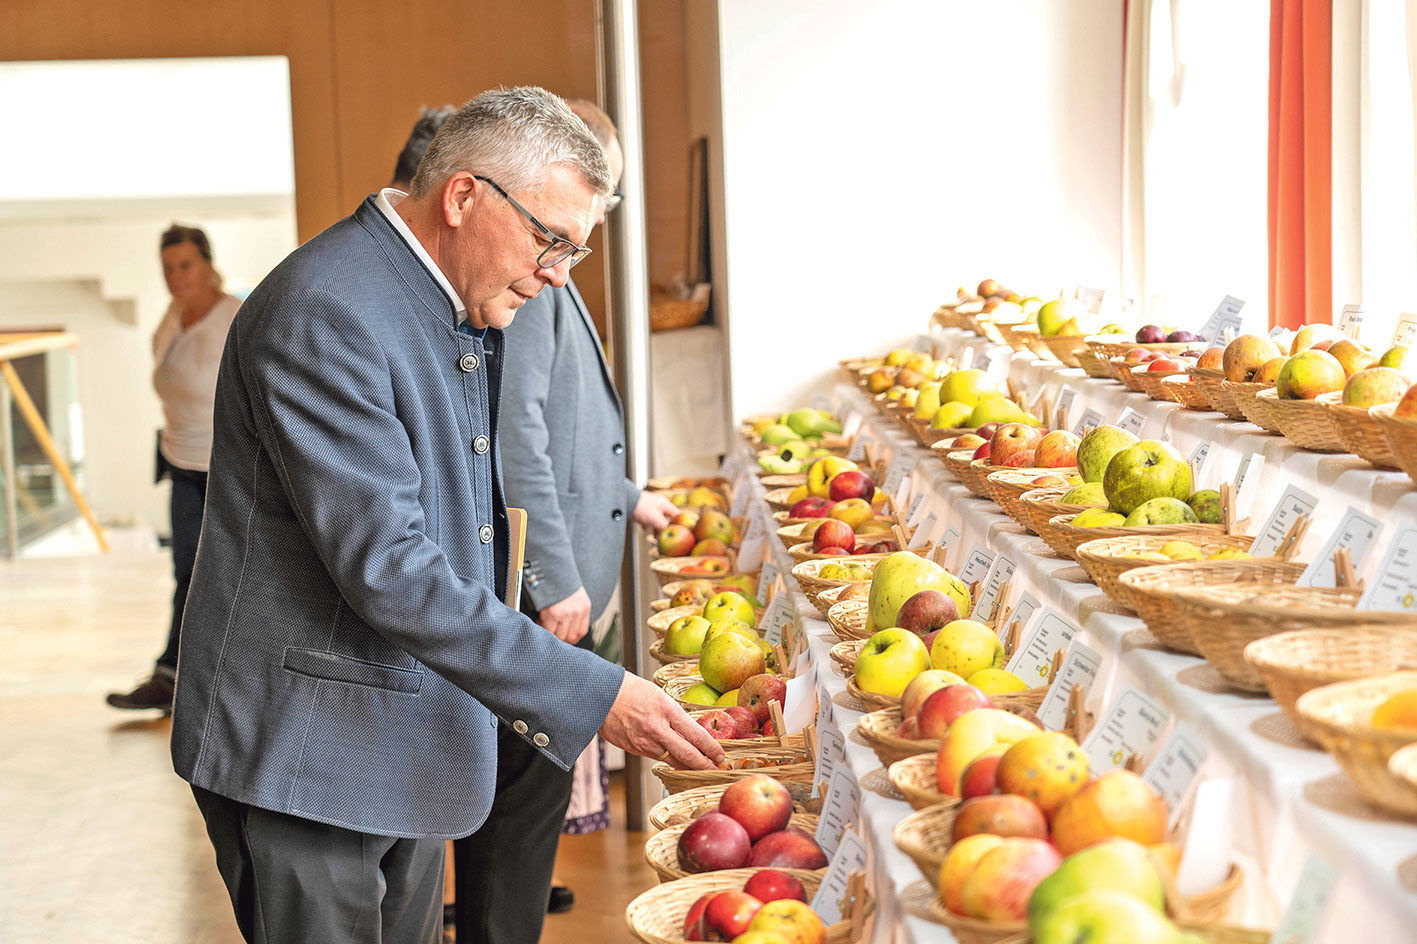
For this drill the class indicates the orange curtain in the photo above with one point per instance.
(1300, 158)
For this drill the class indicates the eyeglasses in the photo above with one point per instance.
(614, 200)
(560, 249)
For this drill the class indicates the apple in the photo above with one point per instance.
(687, 518)
(926, 612)
(1352, 355)
(973, 733)
(1165, 510)
(1400, 357)
(1145, 470)
(967, 441)
(998, 409)
(1181, 337)
(1244, 355)
(832, 533)
(729, 624)
(854, 512)
(1135, 356)
(1046, 768)
(1160, 364)
(788, 848)
(745, 720)
(811, 507)
(967, 387)
(729, 913)
(899, 577)
(789, 921)
(1113, 865)
(889, 660)
(965, 647)
(694, 929)
(922, 687)
(1151, 334)
(714, 841)
(999, 887)
(685, 636)
(692, 593)
(715, 525)
(1056, 450)
(700, 693)
(853, 483)
(1011, 439)
(1099, 916)
(1407, 407)
(940, 708)
(720, 724)
(728, 660)
(774, 885)
(1096, 449)
(1023, 459)
(981, 775)
(675, 541)
(982, 452)
(1375, 385)
(986, 432)
(1003, 814)
(1310, 374)
(707, 567)
(1212, 358)
(759, 692)
(709, 547)
(1048, 481)
(1310, 334)
(1206, 504)
(959, 862)
(888, 546)
(824, 469)
(728, 603)
(1117, 803)
(760, 804)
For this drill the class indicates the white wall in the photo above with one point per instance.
(878, 155)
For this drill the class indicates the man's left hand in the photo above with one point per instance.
(653, 511)
(569, 619)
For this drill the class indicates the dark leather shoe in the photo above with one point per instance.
(562, 900)
(155, 692)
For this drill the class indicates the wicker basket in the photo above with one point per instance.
(1070, 538)
(1093, 365)
(843, 655)
(688, 805)
(761, 742)
(1358, 431)
(1341, 714)
(1065, 348)
(678, 678)
(1032, 342)
(660, 622)
(1130, 374)
(1152, 382)
(657, 653)
(1007, 486)
(1305, 423)
(1151, 590)
(1403, 766)
(1296, 662)
(657, 916)
(661, 849)
(844, 594)
(1226, 618)
(1185, 391)
(778, 480)
(1208, 934)
(871, 700)
(1401, 433)
(878, 728)
(812, 585)
(667, 313)
(1254, 410)
(1040, 506)
(788, 764)
(777, 498)
(1013, 333)
(1106, 559)
(915, 778)
(848, 619)
(972, 475)
(1211, 381)
(669, 569)
(1118, 345)
(926, 836)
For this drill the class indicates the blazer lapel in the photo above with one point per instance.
(595, 342)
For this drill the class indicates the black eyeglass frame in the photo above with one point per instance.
(560, 249)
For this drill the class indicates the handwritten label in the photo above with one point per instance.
(1350, 321)
(857, 452)
(1132, 725)
(1033, 662)
(1291, 505)
(977, 564)
(779, 613)
(1176, 766)
(901, 464)
(1226, 315)
(947, 539)
(840, 809)
(1406, 331)
(831, 749)
(1355, 532)
(1198, 460)
(1080, 667)
(1306, 909)
(1247, 482)
(1091, 419)
(1066, 396)
(1000, 573)
(768, 582)
(830, 902)
(921, 537)
(1395, 585)
(1132, 422)
(1024, 609)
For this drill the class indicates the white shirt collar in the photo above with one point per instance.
(389, 198)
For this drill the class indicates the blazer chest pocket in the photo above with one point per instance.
(333, 667)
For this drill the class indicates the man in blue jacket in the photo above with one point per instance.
(346, 655)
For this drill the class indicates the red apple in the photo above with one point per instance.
(709, 547)
(909, 729)
(880, 547)
(813, 507)
(675, 541)
(772, 885)
(687, 518)
(980, 778)
(714, 841)
(833, 533)
(1046, 481)
(1323, 345)
(942, 707)
(853, 483)
(926, 611)
(1024, 459)
(986, 431)
(768, 730)
(693, 921)
(834, 552)
(982, 452)
(1011, 439)
(758, 693)
(1002, 815)
(760, 804)
(1135, 356)
(788, 848)
(1056, 450)
(729, 913)
(1163, 363)
(747, 721)
(722, 725)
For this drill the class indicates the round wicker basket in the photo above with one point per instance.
(1118, 345)
(857, 592)
(688, 805)
(1007, 487)
(1040, 505)
(657, 653)
(1358, 431)
(915, 778)
(975, 930)
(1305, 423)
(878, 728)
(1012, 333)
(1185, 391)
(1296, 662)
(1093, 365)
(871, 700)
(1106, 559)
(847, 620)
(794, 741)
(1403, 766)
(1252, 409)
(780, 763)
(661, 849)
(778, 498)
(669, 569)
(1069, 538)
(812, 585)
(1225, 618)
(926, 835)
(1211, 381)
(1207, 933)
(1151, 591)
(1401, 433)
(676, 679)
(974, 474)
(1065, 348)
(1341, 715)
(657, 915)
(843, 655)
(1152, 382)
(956, 461)
(1130, 374)
(659, 623)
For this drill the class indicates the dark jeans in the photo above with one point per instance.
(189, 496)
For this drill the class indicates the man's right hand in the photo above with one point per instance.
(645, 721)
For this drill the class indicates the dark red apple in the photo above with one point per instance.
(768, 730)
(747, 721)
(833, 533)
(789, 848)
(760, 804)
(712, 842)
(879, 547)
(722, 725)
(986, 432)
(926, 612)
(772, 885)
(811, 508)
(758, 692)
(941, 708)
(980, 777)
(1151, 334)
(853, 483)
(729, 913)
(694, 929)
(909, 729)
(982, 452)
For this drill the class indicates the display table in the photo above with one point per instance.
(1272, 800)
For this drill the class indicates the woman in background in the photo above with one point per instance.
(187, 348)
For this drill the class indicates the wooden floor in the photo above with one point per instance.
(99, 839)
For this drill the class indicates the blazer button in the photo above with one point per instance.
(540, 740)
(485, 533)
(618, 449)
(617, 515)
(480, 444)
(468, 363)
(519, 727)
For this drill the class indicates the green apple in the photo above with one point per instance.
(777, 465)
(1098, 518)
(728, 624)
(777, 434)
(1206, 504)
(728, 660)
(889, 660)
(1107, 917)
(1052, 315)
(1097, 449)
(964, 647)
(728, 603)
(996, 409)
(899, 577)
(1400, 357)
(1116, 865)
(1088, 493)
(952, 415)
(967, 387)
(927, 400)
(1161, 511)
(1145, 470)
(700, 693)
(685, 636)
(807, 423)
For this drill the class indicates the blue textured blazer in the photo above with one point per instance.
(345, 654)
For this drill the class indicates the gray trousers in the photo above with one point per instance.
(296, 881)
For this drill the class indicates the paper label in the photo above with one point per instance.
(820, 401)
(1132, 422)
(830, 900)
(857, 452)
(768, 584)
(831, 748)
(840, 809)
(1092, 299)
(947, 540)
(1066, 397)
(1293, 503)
(851, 425)
(1090, 419)
(1306, 909)
(1132, 725)
(742, 494)
(824, 703)
(1198, 461)
(977, 564)
(750, 555)
(1000, 573)
(1350, 321)
(1356, 532)
(1406, 332)
(1247, 482)
(799, 705)
(1033, 662)
(918, 508)
(1226, 315)
(1395, 585)
(779, 613)
(1176, 766)
(1080, 667)
(1024, 609)
(921, 537)
(898, 476)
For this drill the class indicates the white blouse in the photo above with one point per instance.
(184, 376)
